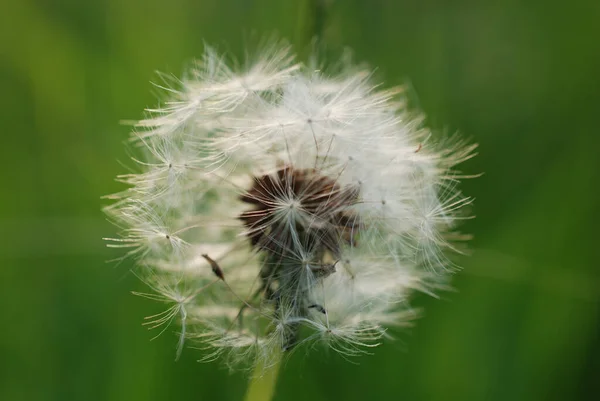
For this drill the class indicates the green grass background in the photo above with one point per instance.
(519, 77)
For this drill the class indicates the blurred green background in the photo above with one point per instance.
(519, 77)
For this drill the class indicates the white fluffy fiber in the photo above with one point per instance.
(219, 128)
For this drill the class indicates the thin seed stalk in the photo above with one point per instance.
(264, 379)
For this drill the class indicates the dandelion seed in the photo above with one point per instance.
(277, 206)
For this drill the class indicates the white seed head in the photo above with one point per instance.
(276, 205)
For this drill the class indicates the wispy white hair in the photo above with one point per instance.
(276, 205)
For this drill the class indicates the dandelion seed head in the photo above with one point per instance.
(275, 206)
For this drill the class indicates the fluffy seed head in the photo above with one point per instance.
(278, 205)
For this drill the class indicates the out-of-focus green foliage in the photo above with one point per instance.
(520, 78)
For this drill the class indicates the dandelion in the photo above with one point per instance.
(277, 205)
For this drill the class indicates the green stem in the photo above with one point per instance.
(310, 25)
(264, 379)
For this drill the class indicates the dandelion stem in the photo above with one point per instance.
(310, 28)
(264, 379)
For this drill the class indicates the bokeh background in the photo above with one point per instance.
(519, 77)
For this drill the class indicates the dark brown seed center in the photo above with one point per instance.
(293, 205)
